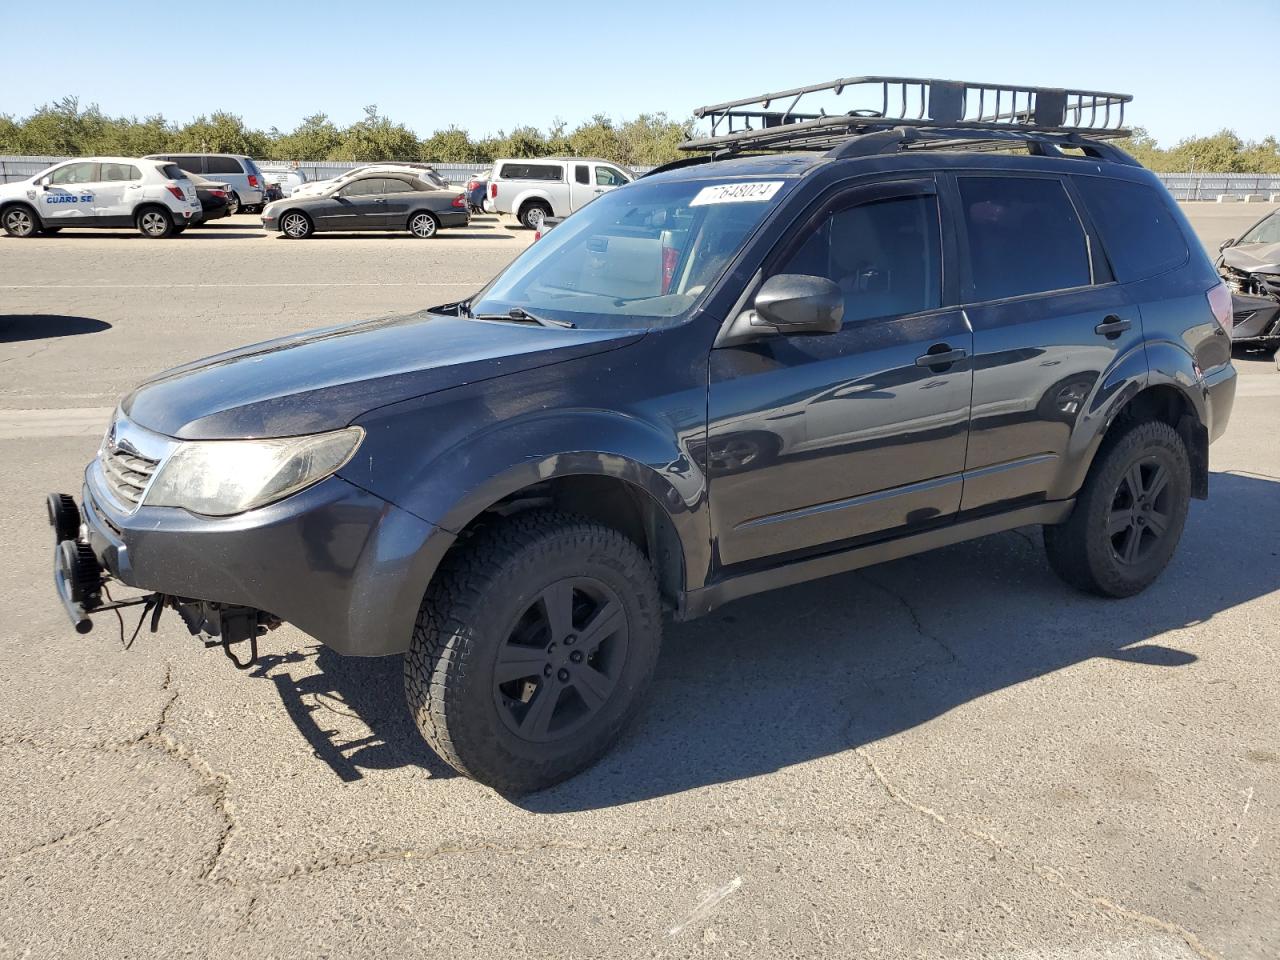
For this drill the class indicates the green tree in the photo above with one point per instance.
(220, 132)
(451, 145)
(377, 138)
(315, 138)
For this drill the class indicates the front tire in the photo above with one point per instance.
(423, 225)
(155, 222)
(532, 649)
(295, 225)
(21, 222)
(1129, 516)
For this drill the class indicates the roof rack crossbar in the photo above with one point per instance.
(751, 124)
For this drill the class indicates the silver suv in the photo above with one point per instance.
(248, 185)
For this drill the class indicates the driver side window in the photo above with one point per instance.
(884, 255)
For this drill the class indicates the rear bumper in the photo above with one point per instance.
(336, 561)
(455, 218)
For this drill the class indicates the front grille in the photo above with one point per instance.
(127, 475)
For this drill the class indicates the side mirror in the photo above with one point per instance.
(1229, 242)
(789, 304)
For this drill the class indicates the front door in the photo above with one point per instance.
(1048, 323)
(396, 196)
(68, 194)
(860, 434)
(357, 206)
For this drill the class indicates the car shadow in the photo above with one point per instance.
(366, 690)
(807, 672)
(40, 326)
(446, 233)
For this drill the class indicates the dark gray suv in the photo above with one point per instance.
(865, 337)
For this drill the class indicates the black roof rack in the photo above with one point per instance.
(924, 113)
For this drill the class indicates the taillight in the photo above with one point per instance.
(218, 193)
(472, 184)
(175, 190)
(670, 257)
(493, 191)
(1220, 303)
(459, 201)
(253, 181)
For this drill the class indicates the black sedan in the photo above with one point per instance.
(374, 201)
(214, 198)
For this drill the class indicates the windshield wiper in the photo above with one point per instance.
(524, 316)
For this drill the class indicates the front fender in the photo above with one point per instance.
(489, 466)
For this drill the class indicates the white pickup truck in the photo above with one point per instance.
(549, 186)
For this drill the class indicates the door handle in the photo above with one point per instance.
(940, 355)
(1112, 327)
(379, 201)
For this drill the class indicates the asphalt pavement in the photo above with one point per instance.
(948, 756)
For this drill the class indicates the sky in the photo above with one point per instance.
(497, 65)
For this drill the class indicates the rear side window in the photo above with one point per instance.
(1138, 230)
(222, 165)
(531, 171)
(190, 164)
(885, 256)
(120, 171)
(1024, 237)
(581, 173)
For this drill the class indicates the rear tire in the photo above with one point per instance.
(532, 649)
(154, 222)
(423, 225)
(1129, 515)
(21, 221)
(233, 204)
(533, 213)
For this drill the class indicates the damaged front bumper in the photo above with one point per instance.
(341, 564)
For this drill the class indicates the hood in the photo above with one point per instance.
(1253, 257)
(324, 379)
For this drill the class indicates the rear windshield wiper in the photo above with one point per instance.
(524, 316)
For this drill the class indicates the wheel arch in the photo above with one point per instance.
(7, 205)
(527, 197)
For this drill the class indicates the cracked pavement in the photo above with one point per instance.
(949, 756)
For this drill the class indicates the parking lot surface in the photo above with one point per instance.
(952, 755)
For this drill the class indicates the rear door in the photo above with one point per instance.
(816, 440)
(582, 188)
(69, 195)
(1049, 321)
(119, 190)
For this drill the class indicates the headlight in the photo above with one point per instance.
(220, 477)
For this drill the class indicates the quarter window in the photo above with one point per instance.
(75, 173)
(1024, 237)
(1137, 226)
(885, 256)
(582, 173)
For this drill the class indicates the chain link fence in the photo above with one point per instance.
(1183, 186)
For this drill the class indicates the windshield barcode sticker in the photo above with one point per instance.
(736, 193)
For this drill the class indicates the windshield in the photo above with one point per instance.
(639, 256)
(1268, 231)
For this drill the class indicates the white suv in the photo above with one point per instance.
(153, 196)
(532, 190)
